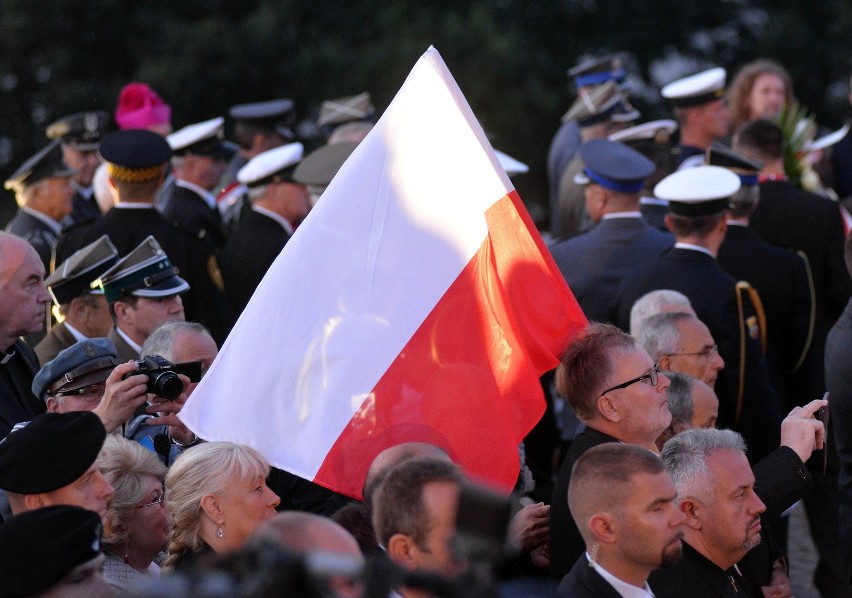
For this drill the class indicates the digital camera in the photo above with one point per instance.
(163, 378)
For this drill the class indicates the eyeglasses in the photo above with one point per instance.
(705, 352)
(652, 377)
(156, 501)
(89, 393)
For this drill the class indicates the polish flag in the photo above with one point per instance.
(416, 302)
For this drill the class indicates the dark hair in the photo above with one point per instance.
(587, 364)
(698, 226)
(398, 502)
(761, 139)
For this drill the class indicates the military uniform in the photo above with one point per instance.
(247, 255)
(57, 339)
(40, 231)
(191, 212)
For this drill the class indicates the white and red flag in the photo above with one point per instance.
(417, 302)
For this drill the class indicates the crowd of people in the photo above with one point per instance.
(690, 413)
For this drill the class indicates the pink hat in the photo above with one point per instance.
(139, 107)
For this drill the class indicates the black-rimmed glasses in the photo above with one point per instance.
(652, 376)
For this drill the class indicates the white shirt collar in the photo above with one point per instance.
(78, 336)
(86, 192)
(134, 205)
(695, 248)
(276, 217)
(53, 224)
(208, 197)
(128, 340)
(737, 223)
(621, 215)
(625, 589)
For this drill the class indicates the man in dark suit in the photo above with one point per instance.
(44, 198)
(595, 262)
(24, 299)
(136, 161)
(715, 490)
(698, 198)
(200, 158)
(778, 275)
(278, 204)
(624, 504)
(84, 310)
(80, 134)
(616, 391)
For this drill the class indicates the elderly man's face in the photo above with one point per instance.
(23, 294)
(696, 353)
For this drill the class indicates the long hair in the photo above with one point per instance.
(740, 89)
(209, 468)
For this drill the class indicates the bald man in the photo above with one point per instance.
(624, 505)
(24, 298)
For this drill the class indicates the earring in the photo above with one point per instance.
(126, 556)
(219, 532)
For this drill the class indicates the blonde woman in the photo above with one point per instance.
(136, 528)
(761, 89)
(217, 497)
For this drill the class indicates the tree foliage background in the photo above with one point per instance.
(508, 56)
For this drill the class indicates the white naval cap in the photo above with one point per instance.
(510, 164)
(276, 164)
(204, 138)
(698, 191)
(653, 129)
(701, 88)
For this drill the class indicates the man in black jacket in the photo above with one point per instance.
(624, 503)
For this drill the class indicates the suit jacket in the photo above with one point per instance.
(838, 379)
(125, 351)
(566, 544)
(17, 402)
(188, 211)
(713, 296)
(57, 339)
(247, 255)
(205, 301)
(36, 233)
(697, 577)
(594, 263)
(782, 283)
(584, 582)
(795, 219)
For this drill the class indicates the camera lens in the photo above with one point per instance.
(167, 385)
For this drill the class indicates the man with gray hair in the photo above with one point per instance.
(680, 342)
(692, 404)
(657, 302)
(716, 492)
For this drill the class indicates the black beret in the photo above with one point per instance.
(50, 452)
(41, 547)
